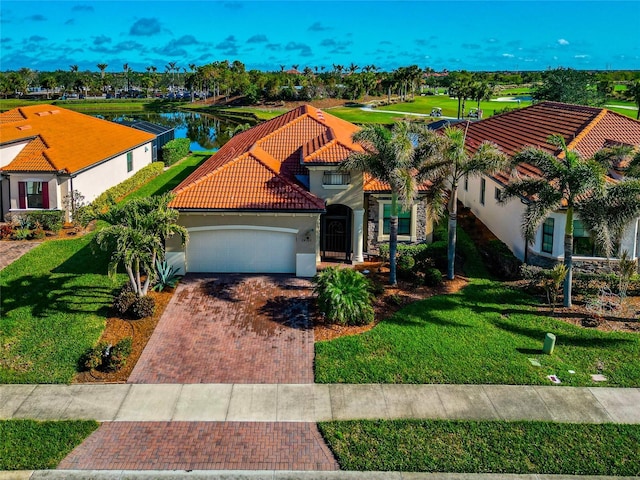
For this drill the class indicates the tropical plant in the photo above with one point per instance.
(135, 237)
(578, 187)
(633, 93)
(553, 282)
(344, 296)
(167, 276)
(389, 156)
(626, 268)
(446, 163)
(569, 86)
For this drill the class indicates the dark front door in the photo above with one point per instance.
(336, 233)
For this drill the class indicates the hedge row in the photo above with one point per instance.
(109, 197)
(175, 150)
(51, 220)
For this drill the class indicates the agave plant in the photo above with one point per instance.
(167, 276)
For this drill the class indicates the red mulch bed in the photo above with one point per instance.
(386, 304)
(139, 330)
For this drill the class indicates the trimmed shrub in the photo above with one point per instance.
(175, 150)
(6, 230)
(500, 260)
(38, 234)
(94, 356)
(343, 296)
(118, 355)
(109, 197)
(21, 234)
(432, 277)
(50, 220)
(143, 307)
(124, 300)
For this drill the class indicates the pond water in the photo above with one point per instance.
(206, 132)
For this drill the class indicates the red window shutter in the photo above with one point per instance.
(22, 195)
(45, 195)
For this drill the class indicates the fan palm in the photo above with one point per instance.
(577, 186)
(446, 163)
(389, 156)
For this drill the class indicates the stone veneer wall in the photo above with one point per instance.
(593, 265)
(373, 225)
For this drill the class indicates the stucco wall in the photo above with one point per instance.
(94, 181)
(350, 195)
(10, 151)
(54, 194)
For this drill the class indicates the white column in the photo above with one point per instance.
(358, 235)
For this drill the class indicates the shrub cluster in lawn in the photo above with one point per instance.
(419, 262)
(127, 303)
(344, 296)
(175, 150)
(124, 300)
(26, 225)
(143, 307)
(107, 357)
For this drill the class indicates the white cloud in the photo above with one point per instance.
(508, 55)
(562, 41)
(581, 56)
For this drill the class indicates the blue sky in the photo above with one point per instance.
(472, 35)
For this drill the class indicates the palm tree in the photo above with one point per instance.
(136, 236)
(126, 70)
(102, 67)
(578, 187)
(447, 161)
(389, 156)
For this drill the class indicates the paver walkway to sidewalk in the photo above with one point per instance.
(232, 328)
(12, 250)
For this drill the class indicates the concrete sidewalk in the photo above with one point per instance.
(317, 402)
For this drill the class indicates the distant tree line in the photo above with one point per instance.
(225, 79)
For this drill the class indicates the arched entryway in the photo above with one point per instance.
(335, 233)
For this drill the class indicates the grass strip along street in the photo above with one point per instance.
(485, 447)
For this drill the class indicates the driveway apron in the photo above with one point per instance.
(232, 328)
(12, 250)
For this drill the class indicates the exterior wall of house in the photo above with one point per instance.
(504, 220)
(93, 181)
(421, 225)
(306, 224)
(350, 195)
(55, 202)
(10, 151)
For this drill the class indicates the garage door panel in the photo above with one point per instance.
(241, 251)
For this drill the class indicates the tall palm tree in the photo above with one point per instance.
(578, 187)
(447, 162)
(102, 67)
(389, 156)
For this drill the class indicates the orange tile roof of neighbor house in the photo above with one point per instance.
(62, 140)
(585, 130)
(257, 169)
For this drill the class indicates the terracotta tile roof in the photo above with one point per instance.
(585, 130)
(63, 140)
(257, 169)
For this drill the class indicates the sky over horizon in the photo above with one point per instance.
(472, 35)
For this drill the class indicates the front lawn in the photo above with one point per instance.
(54, 303)
(33, 445)
(487, 333)
(485, 447)
(56, 298)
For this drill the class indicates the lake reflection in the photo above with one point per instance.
(205, 131)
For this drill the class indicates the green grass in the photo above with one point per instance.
(172, 177)
(484, 334)
(54, 304)
(56, 298)
(33, 445)
(90, 105)
(485, 447)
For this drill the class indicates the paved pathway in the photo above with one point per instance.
(232, 329)
(11, 250)
(315, 402)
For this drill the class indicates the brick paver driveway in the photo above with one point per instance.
(232, 328)
(11, 250)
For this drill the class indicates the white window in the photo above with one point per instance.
(406, 221)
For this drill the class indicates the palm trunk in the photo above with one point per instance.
(568, 257)
(132, 279)
(147, 282)
(393, 239)
(452, 227)
(459, 102)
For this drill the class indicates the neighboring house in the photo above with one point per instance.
(47, 152)
(162, 133)
(585, 130)
(273, 200)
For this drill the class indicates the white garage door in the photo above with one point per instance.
(242, 250)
